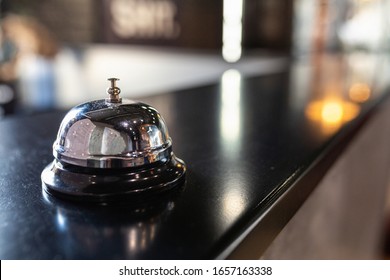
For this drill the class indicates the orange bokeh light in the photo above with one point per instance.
(359, 92)
(331, 113)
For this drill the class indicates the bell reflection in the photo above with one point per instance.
(140, 237)
(61, 221)
(107, 231)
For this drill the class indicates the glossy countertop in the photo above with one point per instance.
(247, 141)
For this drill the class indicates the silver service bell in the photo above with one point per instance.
(112, 149)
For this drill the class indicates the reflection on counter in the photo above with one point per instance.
(333, 90)
(359, 92)
(331, 113)
(230, 111)
(233, 199)
(233, 202)
(119, 230)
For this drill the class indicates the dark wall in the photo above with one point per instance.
(181, 23)
(195, 24)
(268, 24)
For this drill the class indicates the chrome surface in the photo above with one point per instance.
(112, 149)
(100, 134)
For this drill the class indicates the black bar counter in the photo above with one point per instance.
(255, 147)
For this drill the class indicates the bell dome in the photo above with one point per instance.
(99, 134)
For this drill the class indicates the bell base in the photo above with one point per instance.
(106, 185)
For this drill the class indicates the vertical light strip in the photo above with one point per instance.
(230, 111)
(232, 30)
(233, 196)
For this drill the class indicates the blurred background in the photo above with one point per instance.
(57, 53)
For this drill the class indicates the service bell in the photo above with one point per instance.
(112, 149)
